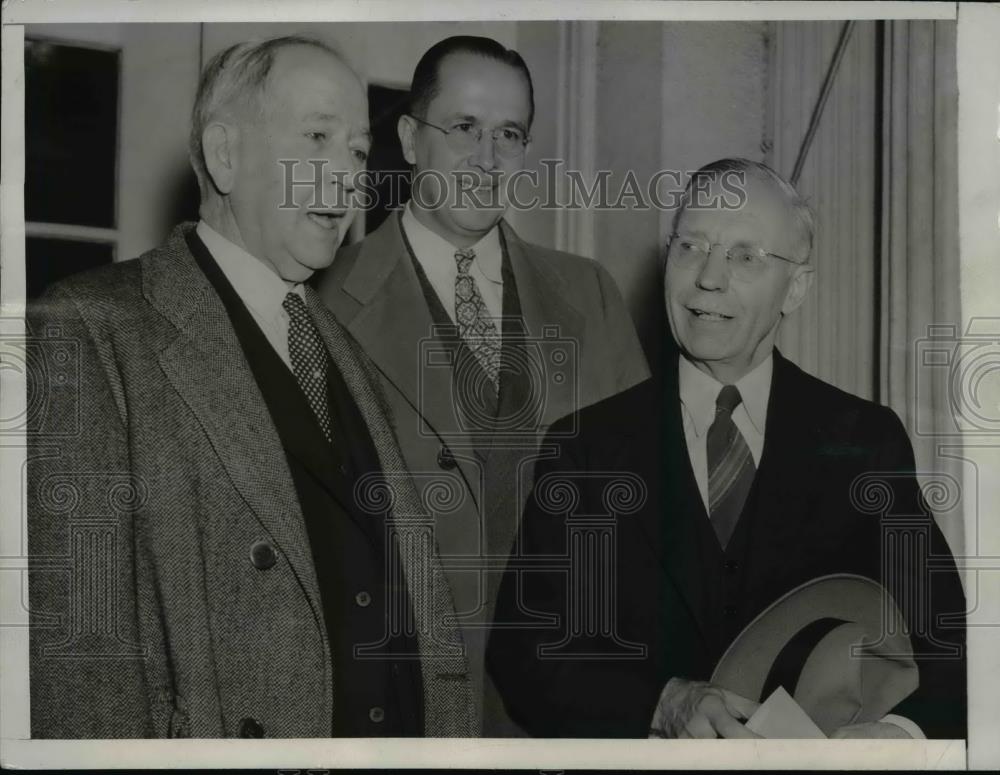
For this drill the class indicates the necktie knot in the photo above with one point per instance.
(463, 257)
(477, 328)
(729, 398)
(294, 305)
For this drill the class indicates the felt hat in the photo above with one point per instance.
(837, 644)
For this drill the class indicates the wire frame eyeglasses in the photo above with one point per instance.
(465, 137)
(745, 262)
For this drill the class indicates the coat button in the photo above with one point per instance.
(731, 566)
(446, 460)
(363, 599)
(376, 714)
(729, 610)
(251, 727)
(262, 555)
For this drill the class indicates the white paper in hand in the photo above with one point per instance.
(781, 717)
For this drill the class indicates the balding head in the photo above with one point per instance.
(273, 114)
(233, 85)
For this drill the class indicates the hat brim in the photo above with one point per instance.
(858, 665)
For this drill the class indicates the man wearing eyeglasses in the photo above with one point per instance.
(742, 473)
(482, 339)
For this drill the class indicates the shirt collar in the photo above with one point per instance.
(430, 246)
(698, 392)
(257, 285)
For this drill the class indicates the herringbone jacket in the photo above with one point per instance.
(155, 469)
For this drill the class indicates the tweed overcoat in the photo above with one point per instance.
(155, 475)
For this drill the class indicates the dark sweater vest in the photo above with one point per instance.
(372, 696)
(496, 423)
(503, 430)
(723, 607)
(727, 611)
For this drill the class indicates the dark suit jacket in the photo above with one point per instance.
(173, 587)
(800, 521)
(568, 303)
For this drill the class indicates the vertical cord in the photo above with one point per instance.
(824, 93)
(881, 53)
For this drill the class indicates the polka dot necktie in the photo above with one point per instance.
(310, 360)
(730, 466)
(478, 330)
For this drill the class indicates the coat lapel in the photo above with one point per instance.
(379, 301)
(782, 517)
(348, 364)
(206, 366)
(672, 523)
(551, 323)
(394, 327)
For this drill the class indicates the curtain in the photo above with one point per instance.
(881, 175)
(919, 272)
(832, 335)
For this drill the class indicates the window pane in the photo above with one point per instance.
(49, 260)
(385, 106)
(71, 134)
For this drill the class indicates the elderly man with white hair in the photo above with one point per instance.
(722, 487)
(220, 521)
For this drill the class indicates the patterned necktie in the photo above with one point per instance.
(475, 325)
(730, 466)
(310, 360)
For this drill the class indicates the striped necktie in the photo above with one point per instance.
(477, 328)
(310, 360)
(730, 466)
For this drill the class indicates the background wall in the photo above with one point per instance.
(640, 97)
(669, 95)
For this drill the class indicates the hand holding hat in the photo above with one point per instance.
(695, 709)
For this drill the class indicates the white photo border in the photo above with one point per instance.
(979, 150)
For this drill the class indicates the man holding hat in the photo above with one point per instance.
(720, 489)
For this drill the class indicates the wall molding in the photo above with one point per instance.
(576, 121)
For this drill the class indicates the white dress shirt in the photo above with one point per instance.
(259, 287)
(699, 392)
(437, 258)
